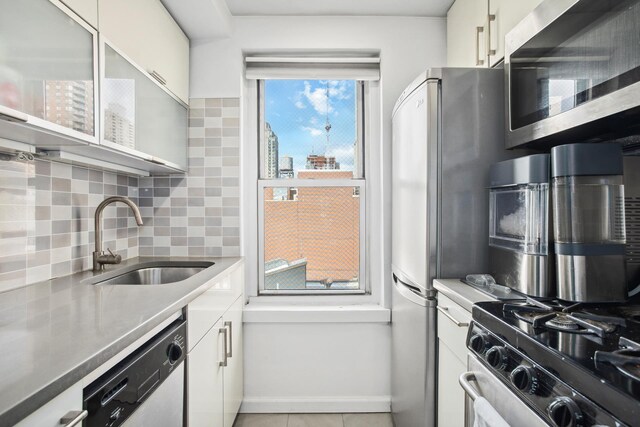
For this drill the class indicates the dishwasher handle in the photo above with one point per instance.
(465, 382)
(73, 418)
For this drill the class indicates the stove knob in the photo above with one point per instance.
(479, 343)
(525, 379)
(174, 352)
(497, 357)
(564, 412)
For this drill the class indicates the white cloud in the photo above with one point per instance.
(317, 98)
(342, 154)
(338, 89)
(312, 131)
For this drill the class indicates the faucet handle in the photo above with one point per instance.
(110, 259)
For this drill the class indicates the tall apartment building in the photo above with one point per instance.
(271, 152)
(69, 103)
(117, 127)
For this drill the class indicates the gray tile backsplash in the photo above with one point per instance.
(192, 214)
(46, 219)
(47, 208)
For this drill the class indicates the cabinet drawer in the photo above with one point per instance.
(453, 322)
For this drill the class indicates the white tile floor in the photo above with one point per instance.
(314, 420)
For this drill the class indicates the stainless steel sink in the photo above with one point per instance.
(156, 275)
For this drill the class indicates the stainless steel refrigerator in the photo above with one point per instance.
(448, 127)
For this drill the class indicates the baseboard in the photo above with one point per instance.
(262, 405)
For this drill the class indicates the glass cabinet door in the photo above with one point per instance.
(140, 116)
(47, 66)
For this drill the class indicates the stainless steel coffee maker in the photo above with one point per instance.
(589, 222)
(519, 225)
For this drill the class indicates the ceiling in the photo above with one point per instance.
(339, 7)
(212, 19)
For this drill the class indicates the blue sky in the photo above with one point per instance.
(297, 112)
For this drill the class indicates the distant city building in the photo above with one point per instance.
(117, 127)
(271, 152)
(69, 103)
(286, 167)
(316, 161)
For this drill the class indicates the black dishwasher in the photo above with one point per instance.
(146, 388)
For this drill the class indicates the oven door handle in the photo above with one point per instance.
(465, 382)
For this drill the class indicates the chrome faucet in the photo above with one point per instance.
(99, 257)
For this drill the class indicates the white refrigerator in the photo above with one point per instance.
(448, 127)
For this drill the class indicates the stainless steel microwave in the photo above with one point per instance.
(572, 70)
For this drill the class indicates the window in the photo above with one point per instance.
(311, 186)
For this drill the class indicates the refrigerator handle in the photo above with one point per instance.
(413, 293)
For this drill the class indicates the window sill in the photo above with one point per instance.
(261, 313)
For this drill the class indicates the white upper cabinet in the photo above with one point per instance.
(86, 9)
(48, 71)
(139, 115)
(504, 16)
(146, 33)
(476, 30)
(466, 33)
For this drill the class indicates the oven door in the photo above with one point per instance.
(573, 71)
(479, 381)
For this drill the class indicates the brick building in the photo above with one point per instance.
(318, 224)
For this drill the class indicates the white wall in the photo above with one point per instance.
(312, 367)
(316, 367)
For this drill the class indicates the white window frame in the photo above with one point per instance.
(358, 181)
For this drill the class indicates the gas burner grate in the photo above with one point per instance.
(563, 323)
(556, 316)
(631, 312)
(627, 361)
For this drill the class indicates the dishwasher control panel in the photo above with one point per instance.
(118, 393)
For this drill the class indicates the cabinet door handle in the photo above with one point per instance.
(491, 18)
(223, 331)
(158, 77)
(230, 326)
(479, 30)
(445, 312)
(73, 418)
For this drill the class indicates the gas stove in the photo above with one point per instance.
(574, 364)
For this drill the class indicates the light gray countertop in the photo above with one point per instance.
(56, 332)
(461, 293)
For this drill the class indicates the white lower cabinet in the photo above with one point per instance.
(215, 358)
(233, 372)
(205, 380)
(453, 321)
(67, 404)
